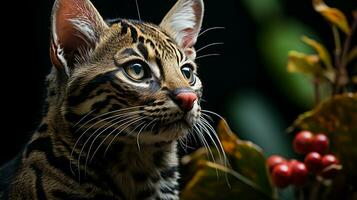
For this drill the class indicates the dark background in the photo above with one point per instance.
(242, 68)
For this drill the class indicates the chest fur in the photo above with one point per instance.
(146, 172)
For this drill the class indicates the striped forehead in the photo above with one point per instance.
(151, 44)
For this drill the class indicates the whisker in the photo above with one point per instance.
(84, 117)
(138, 136)
(106, 137)
(86, 142)
(209, 117)
(203, 140)
(220, 150)
(138, 9)
(210, 29)
(83, 134)
(108, 113)
(204, 130)
(208, 55)
(216, 114)
(209, 45)
(226, 161)
(98, 135)
(116, 135)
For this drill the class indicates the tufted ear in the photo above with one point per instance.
(76, 29)
(184, 22)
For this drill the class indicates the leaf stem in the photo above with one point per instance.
(341, 59)
(337, 53)
(337, 39)
(317, 89)
(346, 46)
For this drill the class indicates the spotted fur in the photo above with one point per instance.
(104, 134)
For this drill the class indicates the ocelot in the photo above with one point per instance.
(120, 95)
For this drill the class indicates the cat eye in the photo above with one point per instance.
(188, 73)
(137, 71)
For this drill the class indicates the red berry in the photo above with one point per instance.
(273, 161)
(293, 162)
(313, 162)
(281, 175)
(299, 173)
(328, 160)
(303, 141)
(330, 171)
(320, 143)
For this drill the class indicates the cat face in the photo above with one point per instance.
(128, 78)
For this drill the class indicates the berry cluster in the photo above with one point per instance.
(317, 162)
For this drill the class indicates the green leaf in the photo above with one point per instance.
(302, 63)
(247, 178)
(337, 118)
(333, 15)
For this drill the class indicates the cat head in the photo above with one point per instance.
(128, 77)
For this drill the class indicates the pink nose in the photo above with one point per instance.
(186, 100)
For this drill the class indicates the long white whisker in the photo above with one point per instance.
(209, 45)
(210, 29)
(226, 161)
(138, 9)
(204, 130)
(84, 117)
(138, 136)
(208, 55)
(83, 134)
(220, 148)
(213, 113)
(209, 117)
(98, 135)
(108, 113)
(116, 135)
(106, 137)
(88, 139)
(203, 140)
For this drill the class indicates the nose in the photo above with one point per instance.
(186, 99)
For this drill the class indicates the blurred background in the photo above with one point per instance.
(247, 84)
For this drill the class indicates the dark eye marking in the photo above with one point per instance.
(161, 68)
(134, 34)
(141, 38)
(124, 28)
(143, 50)
(151, 43)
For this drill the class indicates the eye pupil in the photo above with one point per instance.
(137, 69)
(188, 74)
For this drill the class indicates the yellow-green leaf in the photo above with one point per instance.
(303, 63)
(337, 118)
(247, 174)
(321, 50)
(213, 181)
(333, 15)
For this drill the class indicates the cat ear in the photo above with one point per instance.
(76, 29)
(183, 23)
